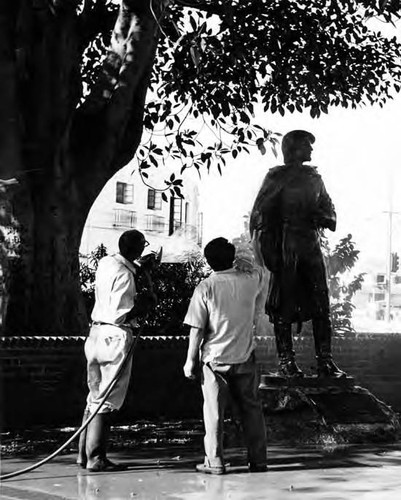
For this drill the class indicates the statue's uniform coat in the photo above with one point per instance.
(290, 209)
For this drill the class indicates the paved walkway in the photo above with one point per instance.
(363, 473)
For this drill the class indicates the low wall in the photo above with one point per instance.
(43, 378)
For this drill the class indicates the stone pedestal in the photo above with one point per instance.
(325, 411)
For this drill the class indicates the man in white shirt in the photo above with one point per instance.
(221, 316)
(106, 348)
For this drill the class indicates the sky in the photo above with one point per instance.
(357, 152)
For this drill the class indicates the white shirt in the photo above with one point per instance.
(224, 305)
(115, 290)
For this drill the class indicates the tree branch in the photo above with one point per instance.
(132, 135)
(96, 17)
(100, 128)
(57, 6)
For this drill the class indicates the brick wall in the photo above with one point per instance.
(43, 378)
(374, 360)
(43, 381)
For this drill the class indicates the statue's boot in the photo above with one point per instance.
(96, 444)
(285, 351)
(81, 459)
(322, 333)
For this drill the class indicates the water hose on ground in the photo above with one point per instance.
(87, 422)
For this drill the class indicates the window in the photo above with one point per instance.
(177, 211)
(175, 220)
(200, 228)
(124, 193)
(154, 199)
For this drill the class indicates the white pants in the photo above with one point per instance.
(106, 348)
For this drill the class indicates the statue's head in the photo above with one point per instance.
(220, 254)
(297, 146)
(131, 244)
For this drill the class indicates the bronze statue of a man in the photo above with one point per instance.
(290, 209)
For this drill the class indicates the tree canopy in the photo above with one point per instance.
(220, 61)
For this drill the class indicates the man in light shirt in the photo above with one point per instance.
(106, 348)
(221, 316)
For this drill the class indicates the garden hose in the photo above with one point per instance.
(87, 422)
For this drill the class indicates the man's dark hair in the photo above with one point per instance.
(130, 240)
(220, 254)
(291, 139)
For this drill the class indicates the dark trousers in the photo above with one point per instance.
(322, 333)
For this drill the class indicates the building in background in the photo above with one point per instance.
(127, 203)
(371, 303)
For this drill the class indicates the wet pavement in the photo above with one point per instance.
(310, 473)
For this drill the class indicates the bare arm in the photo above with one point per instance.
(195, 340)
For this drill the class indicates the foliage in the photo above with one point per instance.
(217, 61)
(173, 284)
(285, 55)
(87, 271)
(339, 262)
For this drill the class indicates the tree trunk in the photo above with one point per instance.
(43, 282)
(57, 156)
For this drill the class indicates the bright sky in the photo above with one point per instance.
(357, 154)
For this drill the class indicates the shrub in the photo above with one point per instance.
(87, 271)
(173, 283)
(342, 286)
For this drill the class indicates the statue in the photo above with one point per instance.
(290, 210)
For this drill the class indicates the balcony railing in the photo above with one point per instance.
(152, 223)
(155, 223)
(124, 218)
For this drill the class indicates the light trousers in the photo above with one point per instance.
(106, 349)
(240, 381)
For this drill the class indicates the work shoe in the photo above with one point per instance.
(327, 368)
(258, 467)
(105, 465)
(206, 468)
(290, 369)
(218, 468)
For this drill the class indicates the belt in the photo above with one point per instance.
(125, 325)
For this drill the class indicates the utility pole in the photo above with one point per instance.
(390, 238)
(390, 261)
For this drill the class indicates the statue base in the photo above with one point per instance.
(325, 411)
